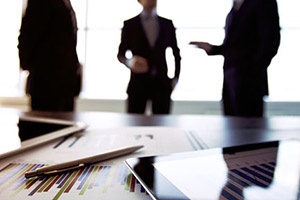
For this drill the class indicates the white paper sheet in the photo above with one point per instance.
(105, 180)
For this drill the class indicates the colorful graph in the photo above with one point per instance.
(74, 140)
(98, 177)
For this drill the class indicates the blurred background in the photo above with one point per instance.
(105, 79)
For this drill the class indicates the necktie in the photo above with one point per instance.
(150, 25)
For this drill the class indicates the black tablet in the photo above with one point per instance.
(269, 170)
(18, 133)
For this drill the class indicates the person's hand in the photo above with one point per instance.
(203, 45)
(139, 65)
(174, 82)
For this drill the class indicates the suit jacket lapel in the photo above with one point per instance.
(142, 31)
(159, 32)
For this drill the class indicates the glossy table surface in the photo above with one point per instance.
(215, 130)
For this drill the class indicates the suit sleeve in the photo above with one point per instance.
(269, 32)
(216, 50)
(176, 51)
(123, 47)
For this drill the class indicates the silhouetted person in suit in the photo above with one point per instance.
(148, 36)
(47, 49)
(252, 37)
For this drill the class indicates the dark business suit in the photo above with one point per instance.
(251, 41)
(154, 85)
(47, 49)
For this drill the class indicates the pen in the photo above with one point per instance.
(75, 164)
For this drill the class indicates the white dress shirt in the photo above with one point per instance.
(150, 25)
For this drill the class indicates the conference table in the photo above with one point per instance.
(109, 130)
(215, 130)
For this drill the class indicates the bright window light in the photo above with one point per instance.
(100, 24)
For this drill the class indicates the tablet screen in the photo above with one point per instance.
(21, 133)
(30, 129)
(258, 171)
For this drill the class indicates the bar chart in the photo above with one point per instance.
(240, 178)
(80, 182)
(109, 180)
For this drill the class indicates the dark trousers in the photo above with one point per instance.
(137, 104)
(241, 95)
(50, 103)
(158, 92)
(244, 106)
